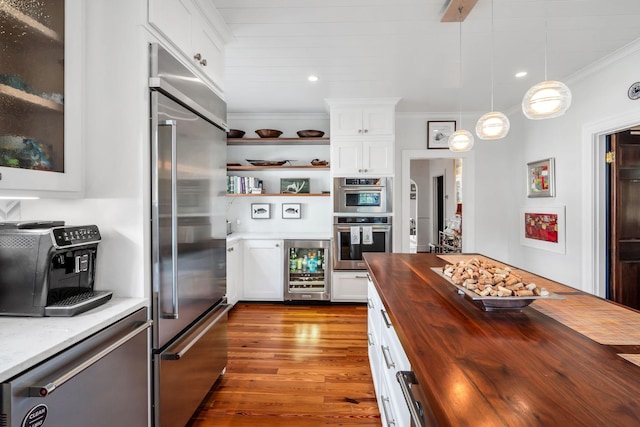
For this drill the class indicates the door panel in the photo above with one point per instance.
(625, 220)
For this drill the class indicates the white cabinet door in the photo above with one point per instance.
(378, 120)
(363, 120)
(174, 19)
(377, 157)
(349, 286)
(346, 158)
(263, 270)
(362, 157)
(234, 272)
(208, 51)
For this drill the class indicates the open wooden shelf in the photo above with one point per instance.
(277, 141)
(254, 168)
(281, 195)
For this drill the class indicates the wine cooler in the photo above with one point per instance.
(307, 270)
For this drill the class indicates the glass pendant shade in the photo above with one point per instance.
(460, 141)
(493, 125)
(546, 100)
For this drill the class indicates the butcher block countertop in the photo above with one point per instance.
(571, 362)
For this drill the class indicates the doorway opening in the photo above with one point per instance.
(438, 204)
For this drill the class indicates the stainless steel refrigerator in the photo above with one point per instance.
(188, 232)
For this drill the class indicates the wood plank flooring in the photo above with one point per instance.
(294, 365)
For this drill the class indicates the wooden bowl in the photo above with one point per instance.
(310, 133)
(235, 133)
(268, 133)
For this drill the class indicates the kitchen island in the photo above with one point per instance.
(570, 362)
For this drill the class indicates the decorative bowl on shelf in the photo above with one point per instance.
(267, 162)
(235, 133)
(317, 162)
(310, 133)
(268, 133)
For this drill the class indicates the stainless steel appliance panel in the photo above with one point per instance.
(189, 221)
(101, 381)
(347, 255)
(187, 369)
(362, 195)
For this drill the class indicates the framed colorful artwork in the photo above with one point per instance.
(543, 228)
(541, 178)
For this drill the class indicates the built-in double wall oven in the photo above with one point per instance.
(362, 220)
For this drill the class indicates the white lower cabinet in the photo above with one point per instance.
(263, 278)
(349, 286)
(386, 357)
(234, 271)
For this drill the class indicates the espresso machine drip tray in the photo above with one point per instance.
(72, 301)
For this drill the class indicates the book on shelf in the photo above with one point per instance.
(244, 185)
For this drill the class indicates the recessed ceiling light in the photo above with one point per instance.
(521, 74)
(313, 78)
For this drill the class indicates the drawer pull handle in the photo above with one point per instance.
(370, 339)
(386, 319)
(370, 303)
(388, 360)
(387, 411)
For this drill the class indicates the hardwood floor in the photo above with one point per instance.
(294, 365)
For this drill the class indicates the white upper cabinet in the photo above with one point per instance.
(362, 119)
(197, 32)
(362, 136)
(363, 157)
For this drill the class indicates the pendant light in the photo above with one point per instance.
(461, 140)
(547, 99)
(493, 125)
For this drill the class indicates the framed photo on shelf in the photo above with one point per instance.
(543, 228)
(260, 211)
(541, 180)
(294, 185)
(438, 132)
(291, 211)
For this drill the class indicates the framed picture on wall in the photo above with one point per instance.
(260, 211)
(543, 228)
(438, 133)
(541, 180)
(291, 211)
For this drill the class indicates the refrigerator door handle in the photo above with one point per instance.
(173, 314)
(46, 389)
(183, 348)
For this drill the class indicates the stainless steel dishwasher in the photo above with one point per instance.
(101, 381)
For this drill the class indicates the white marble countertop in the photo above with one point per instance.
(26, 341)
(288, 235)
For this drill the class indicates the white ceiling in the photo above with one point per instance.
(399, 48)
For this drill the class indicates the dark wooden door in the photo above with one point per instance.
(625, 220)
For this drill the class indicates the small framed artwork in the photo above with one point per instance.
(541, 180)
(438, 133)
(543, 228)
(260, 210)
(291, 211)
(294, 185)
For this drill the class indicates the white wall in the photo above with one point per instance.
(316, 211)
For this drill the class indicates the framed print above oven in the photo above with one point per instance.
(541, 178)
(438, 132)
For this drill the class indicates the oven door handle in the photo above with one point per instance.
(375, 228)
(46, 389)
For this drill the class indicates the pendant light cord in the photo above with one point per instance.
(492, 53)
(546, 40)
(460, 89)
